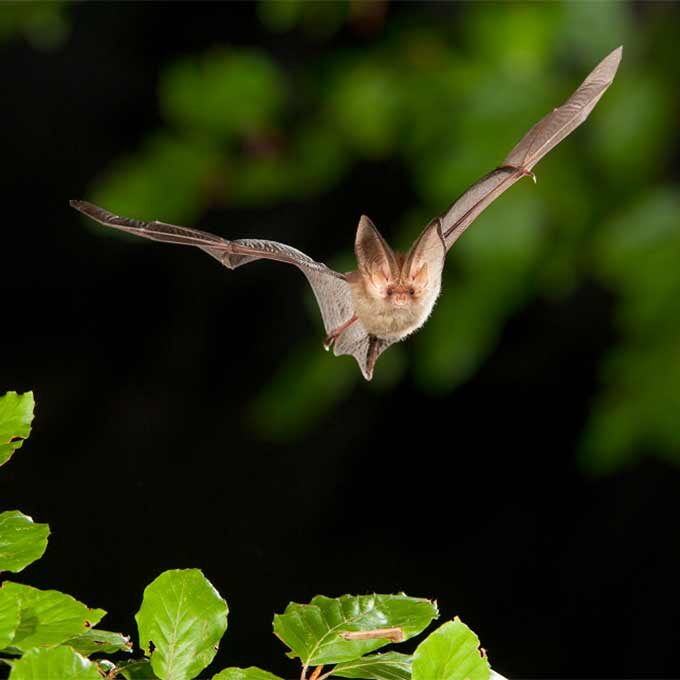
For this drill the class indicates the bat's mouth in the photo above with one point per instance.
(400, 299)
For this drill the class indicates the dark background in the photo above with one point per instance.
(148, 363)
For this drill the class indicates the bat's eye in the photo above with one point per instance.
(411, 291)
(389, 292)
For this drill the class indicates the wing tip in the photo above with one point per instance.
(94, 212)
(83, 206)
(616, 55)
(608, 67)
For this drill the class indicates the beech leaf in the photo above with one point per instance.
(9, 617)
(312, 631)
(181, 621)
(16, 415)
(388, 666)
(251, 673)
(58, 663)
(450, 653)
(102, 641)
(137, 669)
(22, 541)
(48, 617)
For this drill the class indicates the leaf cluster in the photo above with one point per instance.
(49, 635)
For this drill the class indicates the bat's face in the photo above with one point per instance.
(394, 294)
(400, 289)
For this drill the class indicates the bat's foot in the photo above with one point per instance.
(372, 355)
(331, 338)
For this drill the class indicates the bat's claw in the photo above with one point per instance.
(329, 341)
(525, 172)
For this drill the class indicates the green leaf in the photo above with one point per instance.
(450, 653)
(48, 617)
(16, 415)
(251, 673)
(22, 541)
(389, 666)
(139, 669)
(181, 621)
(102, 641)
(312, 631)
(60, 663)
(9, 617)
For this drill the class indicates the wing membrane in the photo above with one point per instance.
(535, 144)
(331, 290)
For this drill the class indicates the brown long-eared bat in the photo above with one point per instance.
(390, 295)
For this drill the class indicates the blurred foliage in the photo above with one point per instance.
(637, 253)
(223, 94)
(446, 93)
(42, 24)
(319, 20)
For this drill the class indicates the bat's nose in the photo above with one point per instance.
(400, 299)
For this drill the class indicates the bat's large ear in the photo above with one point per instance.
(373, 253)
(426, 256)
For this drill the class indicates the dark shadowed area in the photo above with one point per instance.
(518, 459)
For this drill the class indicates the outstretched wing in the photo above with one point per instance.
(330, 288)
(542, 137)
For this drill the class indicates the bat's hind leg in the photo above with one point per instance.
(336, 333)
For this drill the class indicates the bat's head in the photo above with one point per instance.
(399, 280)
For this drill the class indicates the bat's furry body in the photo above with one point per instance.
(393, 294)
(380, 318)
(390, 295)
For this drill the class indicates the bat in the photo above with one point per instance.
(390, 295)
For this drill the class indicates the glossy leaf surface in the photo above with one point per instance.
(450, 653)
(251, 673)
(16, 415)
(48, 617)
(9, 617)
(100, 641)
(139, 669)
(181, 621)
(389, 666)
(59, 663)
(312, 631)
(22, 541)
